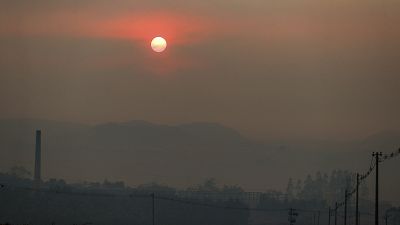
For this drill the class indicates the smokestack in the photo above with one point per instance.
(38, 149)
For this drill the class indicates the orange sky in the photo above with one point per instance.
(268, 68)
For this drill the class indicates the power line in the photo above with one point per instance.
(348, 194)
(377, 158)
(112, 195)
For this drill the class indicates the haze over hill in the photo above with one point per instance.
(181, 155)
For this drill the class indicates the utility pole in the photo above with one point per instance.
(313, 218)
(153, 207)
(335, 213)
(329, 216)
(377, 156)
(386, 218)
(357, 193)
(345, 207)
(292, 216)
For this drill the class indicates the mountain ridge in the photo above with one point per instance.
(181, 155)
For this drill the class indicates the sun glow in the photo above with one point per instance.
(158, 44)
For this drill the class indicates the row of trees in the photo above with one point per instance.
(61, 203)
(57, 202)
(322, 186)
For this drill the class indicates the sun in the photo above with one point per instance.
(158, 44)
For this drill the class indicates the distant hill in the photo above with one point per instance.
(136, 151)
(181, 155)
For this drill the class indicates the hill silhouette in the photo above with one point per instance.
(139, 152)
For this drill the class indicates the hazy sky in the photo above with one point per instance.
(269, 68)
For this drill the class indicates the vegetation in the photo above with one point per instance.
(57, 202)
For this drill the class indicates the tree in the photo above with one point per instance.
(298, 188)
(20, 172)
(209, 185)
(290, 190)
(307, 192)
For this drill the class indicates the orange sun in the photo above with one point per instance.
(158, 44)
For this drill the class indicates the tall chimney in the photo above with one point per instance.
(38, 149)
